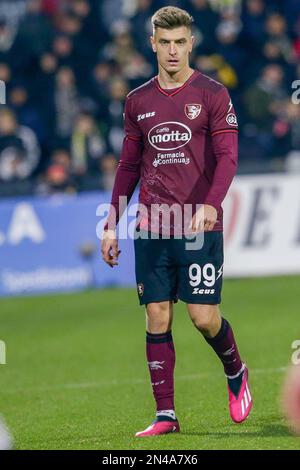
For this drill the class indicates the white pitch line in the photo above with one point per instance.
(115, 382)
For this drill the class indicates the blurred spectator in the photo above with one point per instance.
(229, 46)
(69, 24)
(101, 77)
(51, 7)
(291, 113)
(118, 92)
(291, 11)
(62, 47)
(97, 88)
(5, 74)
(35, 31)
(66, 102)
(42, 88)
(57, 177)
(122, 47)
(216, 67)
(108, 166)
(122, 50)
(12, 11)
(137, 70)
(276, 29)
(261, 97)
(87, 146)
(7, 37)
(19, 149)
(142, 28)
(112, 11)
(205, 22)
(89, 21)
(263, 101)
(81, 8)
(253, 19)
(26, 114)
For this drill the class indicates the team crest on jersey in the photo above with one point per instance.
(192, 110)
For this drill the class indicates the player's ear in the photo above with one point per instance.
(192, 43)
(152, 40)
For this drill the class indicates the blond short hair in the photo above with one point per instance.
(170, 18)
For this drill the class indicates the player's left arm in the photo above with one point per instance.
(224, 132)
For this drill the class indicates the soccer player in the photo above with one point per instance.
(181, 141)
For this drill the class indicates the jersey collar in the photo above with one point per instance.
(177, 90)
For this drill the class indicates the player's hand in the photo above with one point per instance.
(204, 219)
(109, 248)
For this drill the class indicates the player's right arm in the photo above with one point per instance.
(127, 177)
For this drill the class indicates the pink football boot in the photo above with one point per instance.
(241, 405)
(159, 427)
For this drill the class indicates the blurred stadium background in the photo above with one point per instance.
(67, 66)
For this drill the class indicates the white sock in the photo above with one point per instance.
(167, 413)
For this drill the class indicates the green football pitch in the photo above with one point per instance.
(76, 376)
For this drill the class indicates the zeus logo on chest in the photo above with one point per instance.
(144, 116)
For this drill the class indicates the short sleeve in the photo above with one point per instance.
(131, 128)
(222, 114)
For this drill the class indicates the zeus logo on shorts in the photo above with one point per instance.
(203, 291)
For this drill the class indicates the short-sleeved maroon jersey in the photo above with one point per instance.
(182, 135)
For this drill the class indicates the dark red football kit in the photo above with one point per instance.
(181, 143)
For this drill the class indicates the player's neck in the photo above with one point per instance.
(174, 80)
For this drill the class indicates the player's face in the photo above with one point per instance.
(172, 47)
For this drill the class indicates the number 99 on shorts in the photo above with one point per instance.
(203, 278)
